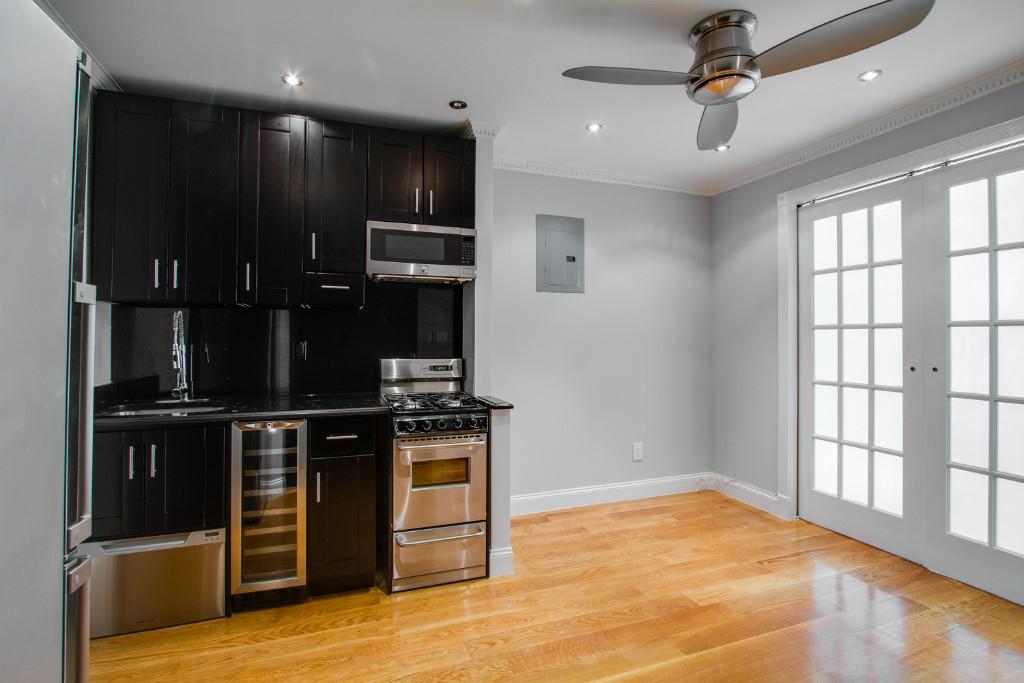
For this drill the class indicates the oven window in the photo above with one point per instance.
(415, 248)
(427, 473)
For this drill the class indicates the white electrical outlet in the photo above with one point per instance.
(638, 451)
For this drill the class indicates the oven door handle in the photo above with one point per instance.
(406, 457)
(400, 538)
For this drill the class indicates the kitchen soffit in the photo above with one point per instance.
(400, 62)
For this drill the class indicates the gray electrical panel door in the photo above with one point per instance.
(559, 254)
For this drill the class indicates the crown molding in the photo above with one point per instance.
(595, 176)
(948, 99)
(479, 129)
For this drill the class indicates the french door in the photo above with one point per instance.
(912, 370)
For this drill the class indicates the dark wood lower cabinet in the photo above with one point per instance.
(158, 481)
(340, 538)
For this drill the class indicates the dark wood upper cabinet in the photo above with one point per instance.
(273, 159)
(335, 239)
(395, 177)
(449, 176)
(203, 206)
(130, 197)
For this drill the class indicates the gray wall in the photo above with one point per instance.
(629, 360)
(744, 274)
(37, 108)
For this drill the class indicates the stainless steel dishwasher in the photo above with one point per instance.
(156, 581)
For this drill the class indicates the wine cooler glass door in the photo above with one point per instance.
(268, 505)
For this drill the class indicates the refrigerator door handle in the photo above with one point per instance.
(78, 582)
(85, 295)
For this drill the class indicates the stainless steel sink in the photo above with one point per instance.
(171, 407)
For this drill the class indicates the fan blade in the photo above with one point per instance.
(717, 125)
(624, 76)
(843, 36)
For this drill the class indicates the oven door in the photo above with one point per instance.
(423, 252)
(439, 481)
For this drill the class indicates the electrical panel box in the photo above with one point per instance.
(559, 254)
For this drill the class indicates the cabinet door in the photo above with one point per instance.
(449, 175)
(341, 547)
(203, 205)
(395, 177)
(129, 215)
(184, 479)
(272, 199)
(109, 476)
(335, 197)
(135, 464)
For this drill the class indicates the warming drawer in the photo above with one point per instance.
(427, 557)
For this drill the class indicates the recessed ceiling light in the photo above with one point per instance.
(721, 148)
(292, 80)
(457, 104)
(870, 75)
(594, 127)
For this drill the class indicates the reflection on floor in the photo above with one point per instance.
(687, 587)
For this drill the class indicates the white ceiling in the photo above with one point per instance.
(399, 62)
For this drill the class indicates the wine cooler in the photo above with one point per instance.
(268, 505)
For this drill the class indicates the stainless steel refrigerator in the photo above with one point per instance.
(80, 365)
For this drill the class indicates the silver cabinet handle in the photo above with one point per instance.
(343, 287)
(431, 195)
(342, 437)
(248, 276)
(174, 281)
(314, 246)
(318, 487)
(131, 463)
(156, 273)
(152, 461)
(417, 210)
(400, 538)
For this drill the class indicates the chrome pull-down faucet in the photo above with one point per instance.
(178, 354)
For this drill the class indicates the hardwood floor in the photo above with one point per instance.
(687, 587)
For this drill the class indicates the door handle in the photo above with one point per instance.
(342, 287)
(314, 246)
(131, 463)
(152, 461)
(156, 273)
(248, 276)
(318, 487)
(174, 276)
(342, 437)
(417, 209)
(431, 196)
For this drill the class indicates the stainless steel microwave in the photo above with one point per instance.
(408, 251)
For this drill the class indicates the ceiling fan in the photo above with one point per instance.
(727, 69)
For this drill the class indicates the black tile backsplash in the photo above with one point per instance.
(252, 351)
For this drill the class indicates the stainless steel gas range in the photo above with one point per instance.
(437, 476)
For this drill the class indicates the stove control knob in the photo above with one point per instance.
(442, 425)
(457, 423)
(474, 422)
(426, 425)
(407, 426)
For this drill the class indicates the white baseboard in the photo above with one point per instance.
(546, 501)
(502, 562)
(754, 496)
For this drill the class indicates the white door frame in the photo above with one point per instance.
(787, 269)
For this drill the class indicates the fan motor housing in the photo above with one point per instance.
(724, 58)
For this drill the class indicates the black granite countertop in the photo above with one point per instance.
(237, 408)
